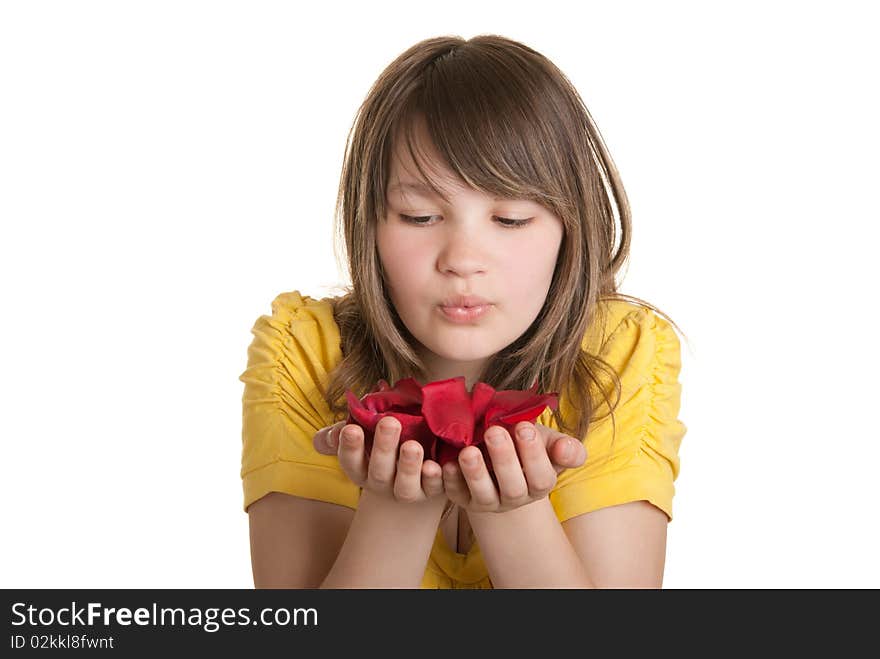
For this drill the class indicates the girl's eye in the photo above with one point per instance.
(504, 221)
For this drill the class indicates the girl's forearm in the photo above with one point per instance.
(387, 546)
(527, 548)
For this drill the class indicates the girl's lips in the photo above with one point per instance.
(465, 314)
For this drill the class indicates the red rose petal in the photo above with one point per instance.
(443, 416)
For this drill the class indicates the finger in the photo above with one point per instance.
(539, 472)
(455, 485)
(383, 456)
(334, 433)
(432, 478)
(566, 452)
(326, 440)
(408, 481)
(335, 437)
(482, 489)
(512, 484)
(557, 449)
(351, 454)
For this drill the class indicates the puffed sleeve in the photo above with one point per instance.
(643, 460)
(291, 352)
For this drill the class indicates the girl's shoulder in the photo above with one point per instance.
(617, 322)
(293, 306)
(299, 339)
(305, 321)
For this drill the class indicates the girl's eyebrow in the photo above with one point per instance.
(423, 189)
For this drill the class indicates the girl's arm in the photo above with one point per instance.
(522, 540)
(392, 531)
(621, 546)
(388, 544)
(527, 548)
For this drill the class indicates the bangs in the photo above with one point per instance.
(493, 128)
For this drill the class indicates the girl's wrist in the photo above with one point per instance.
(494, 515)
(418, 510)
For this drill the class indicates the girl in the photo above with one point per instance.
(473, 176)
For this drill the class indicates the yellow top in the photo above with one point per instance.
(295, 348)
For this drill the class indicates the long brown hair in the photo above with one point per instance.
(508, 122)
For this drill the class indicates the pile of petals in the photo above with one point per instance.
(443, 416)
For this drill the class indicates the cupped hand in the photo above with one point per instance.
(523, 471)
(557, 445)
(401, 475)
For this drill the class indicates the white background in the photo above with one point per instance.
(167, 168)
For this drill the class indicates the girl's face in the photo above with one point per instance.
(463, 248)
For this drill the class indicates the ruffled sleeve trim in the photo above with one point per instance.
(302, 480)
(289, 359)
(643, 462)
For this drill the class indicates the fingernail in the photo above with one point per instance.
(331, 440)
(495, 438)
(527, 433)
(570, 448)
